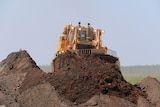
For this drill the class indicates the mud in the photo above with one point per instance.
(78, 81)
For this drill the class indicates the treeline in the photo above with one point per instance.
(145, 70)
(135, 74)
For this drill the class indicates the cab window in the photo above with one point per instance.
(82, 35)
(71, 35)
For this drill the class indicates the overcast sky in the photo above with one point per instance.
(132, 27)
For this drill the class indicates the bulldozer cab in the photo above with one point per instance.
(81, 35)
(86, 33)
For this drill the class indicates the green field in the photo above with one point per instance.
(136, 79)
(133, 79)
(134, 74)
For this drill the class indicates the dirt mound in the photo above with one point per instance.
(78, 81)
(17, 61)
(17, 70)
(79, 78)
(142, 102)
(20, 63)
(152, 88)
(42, 95)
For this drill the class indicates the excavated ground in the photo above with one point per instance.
(78, 81)
(78, 78)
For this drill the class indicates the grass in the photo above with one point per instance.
(133, 79)
(135, 74)
(158, 78)
(136, 79)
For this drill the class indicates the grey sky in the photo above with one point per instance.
(132, 27)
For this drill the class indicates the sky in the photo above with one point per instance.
(132, 27)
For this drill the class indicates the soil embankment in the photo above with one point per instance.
(82, 81)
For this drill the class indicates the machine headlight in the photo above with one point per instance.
(72, 27)
(103, 31)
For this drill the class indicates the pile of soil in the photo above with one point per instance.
(79, 78)
(78, 81)
(15, 62)
(17, 70)
(152, 88)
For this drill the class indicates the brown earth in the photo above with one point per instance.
(81, 77)
(15, 71)
(81, 82)
(152, 88)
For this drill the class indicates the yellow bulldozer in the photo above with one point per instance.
(85, 41)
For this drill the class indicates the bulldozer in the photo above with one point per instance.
(84, 41)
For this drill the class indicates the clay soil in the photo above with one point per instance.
(78, 81)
